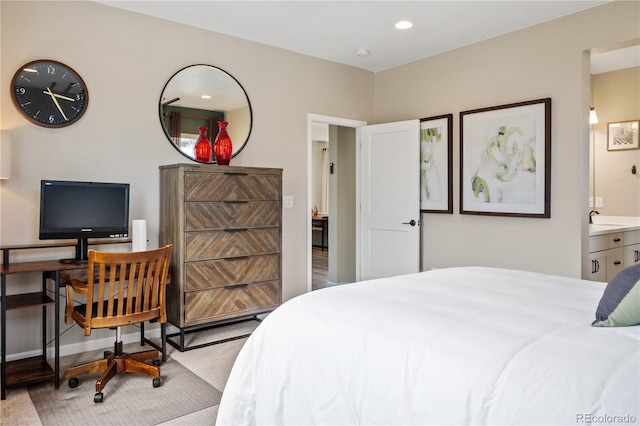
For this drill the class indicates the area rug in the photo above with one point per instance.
(129, 399)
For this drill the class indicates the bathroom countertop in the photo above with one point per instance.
(609, 224)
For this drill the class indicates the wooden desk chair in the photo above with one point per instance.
(121, 289)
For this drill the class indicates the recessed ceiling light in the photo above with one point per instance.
(362, 52)
(404, 25)
(206, 96)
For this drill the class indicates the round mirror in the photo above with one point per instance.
(201, 96)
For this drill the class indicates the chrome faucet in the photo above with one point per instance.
(591, 213)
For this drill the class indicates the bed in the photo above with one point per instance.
(469, 345)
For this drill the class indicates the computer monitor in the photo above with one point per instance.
(83, 210)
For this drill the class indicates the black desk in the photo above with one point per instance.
(36, 369)
(321, 223)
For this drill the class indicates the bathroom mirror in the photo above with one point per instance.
(200, 96)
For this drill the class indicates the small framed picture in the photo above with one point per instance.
(622, 135)
(436, 164)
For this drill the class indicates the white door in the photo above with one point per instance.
(389, 199)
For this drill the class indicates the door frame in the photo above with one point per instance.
(335, 121)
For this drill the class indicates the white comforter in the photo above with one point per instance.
(448, 346)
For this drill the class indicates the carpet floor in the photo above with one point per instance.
(193, 382)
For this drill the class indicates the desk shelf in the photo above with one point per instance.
(28, 371)
(25, 300)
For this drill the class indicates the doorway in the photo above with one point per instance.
(337, 262)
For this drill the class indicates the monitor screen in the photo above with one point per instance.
(83, 210)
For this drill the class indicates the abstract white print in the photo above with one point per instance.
(431, 179)
(504, 152)
(504, 159)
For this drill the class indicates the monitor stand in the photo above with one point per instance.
(82, 253)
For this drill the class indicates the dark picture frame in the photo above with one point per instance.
(436, 164)
(505, 160)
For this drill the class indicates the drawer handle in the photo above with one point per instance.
(236, 201)
(233, 287)
(235, 230)
(617, 262)
(237, 258)
(237, 173)
(616, 240)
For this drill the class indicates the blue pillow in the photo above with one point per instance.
(620, 302)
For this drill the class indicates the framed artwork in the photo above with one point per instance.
(436, 164)
(622, 135)
(505, 160)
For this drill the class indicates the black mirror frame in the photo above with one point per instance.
(164, 129)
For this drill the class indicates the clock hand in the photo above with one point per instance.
(55, 101)
(66, 98)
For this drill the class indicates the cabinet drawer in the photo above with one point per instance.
(598, 243)
(221, 215)
(228, 302)
(224, 272)
(208, 245)
(606, 241)
(632, 237)
(616, 239)
(230, 186)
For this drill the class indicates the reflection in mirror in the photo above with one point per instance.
(203, 95)
(614, 188)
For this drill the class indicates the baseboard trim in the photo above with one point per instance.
(88, 345)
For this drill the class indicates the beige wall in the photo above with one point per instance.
(546, 60)
(616, 96)
(125, 60)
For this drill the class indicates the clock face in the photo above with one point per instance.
(49, 93)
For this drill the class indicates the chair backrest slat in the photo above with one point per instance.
(126, 287)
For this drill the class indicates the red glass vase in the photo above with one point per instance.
(203, 147)
(222, 146)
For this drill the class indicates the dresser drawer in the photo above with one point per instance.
(231, 186)
(229, 302)
(230, 214)
(224, 272)
(208, 245)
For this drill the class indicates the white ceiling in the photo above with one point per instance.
(335, 30)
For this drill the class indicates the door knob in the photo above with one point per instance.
(412, 223)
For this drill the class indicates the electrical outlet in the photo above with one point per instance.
(598, 201)
(287, 201)
(590, 202)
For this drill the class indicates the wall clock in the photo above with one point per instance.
(49, 93)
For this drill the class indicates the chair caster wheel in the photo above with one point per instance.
(156, 382)
(97, 397)
(73, 383)
(156, 362)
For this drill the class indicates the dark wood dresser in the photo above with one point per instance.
(225, 224)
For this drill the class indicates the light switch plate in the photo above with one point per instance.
(598, 201)
(287, 201)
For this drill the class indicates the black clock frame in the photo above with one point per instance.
(36, 97)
